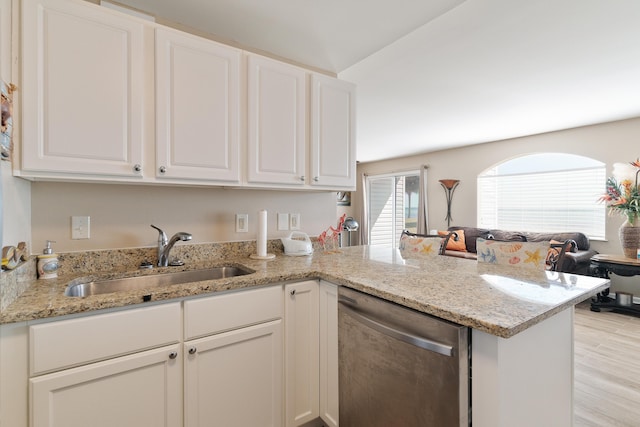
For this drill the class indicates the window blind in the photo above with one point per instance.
(548, 201)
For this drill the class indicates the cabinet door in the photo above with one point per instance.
(142, 389)
(83, 81)
(197, 108)
(329, 397)
(276, 122)
(5, 40)
(234, 379)
(301, 352)
(333, 144)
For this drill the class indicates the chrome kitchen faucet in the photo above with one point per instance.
(164, 246)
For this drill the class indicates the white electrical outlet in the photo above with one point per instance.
(294, 221)
(283, 221)
(80, 227)
(242, 223)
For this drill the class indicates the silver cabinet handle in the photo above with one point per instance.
(137, 167)
(302, 178)
(173, 355)
(407, 337)
(192, 350)
(163, 169)
(293, 292)
(316, 179)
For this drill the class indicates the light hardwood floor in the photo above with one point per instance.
(607, 369)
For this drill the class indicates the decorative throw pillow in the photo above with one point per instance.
(453, 245)
(415, 247)
(530, 255)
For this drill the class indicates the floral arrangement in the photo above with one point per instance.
(622, 194)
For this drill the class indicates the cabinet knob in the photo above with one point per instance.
(137, 167)
(293, 292)
(173, 355)
(163, 169)
(302, 178)
(192, 350)
(316, 179)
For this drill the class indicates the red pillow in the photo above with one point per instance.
(453, 245)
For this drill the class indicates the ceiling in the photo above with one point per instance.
(439, 74)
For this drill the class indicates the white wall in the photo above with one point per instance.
(609, 142)
(16, 207)
(121, 214)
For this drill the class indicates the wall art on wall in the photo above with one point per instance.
(6, 125)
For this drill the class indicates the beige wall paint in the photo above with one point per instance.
(609, 143)
(121, 214)
(16, 208)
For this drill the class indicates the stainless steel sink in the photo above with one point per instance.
(154, 280)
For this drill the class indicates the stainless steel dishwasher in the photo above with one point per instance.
(399, 367)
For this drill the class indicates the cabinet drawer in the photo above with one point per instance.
(74, 342)
(220, 313)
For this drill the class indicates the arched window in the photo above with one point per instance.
(546, 192)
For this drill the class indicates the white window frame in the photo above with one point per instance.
(553, 200)
(396, 227)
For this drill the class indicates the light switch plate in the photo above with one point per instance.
(294, 221)
(80, 227)
(242, 223)
(283, 221)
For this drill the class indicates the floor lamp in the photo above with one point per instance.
(449, 186)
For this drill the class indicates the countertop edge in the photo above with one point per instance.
(53, 304)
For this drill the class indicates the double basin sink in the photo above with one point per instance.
(124, 284)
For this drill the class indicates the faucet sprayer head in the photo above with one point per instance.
(183, 236)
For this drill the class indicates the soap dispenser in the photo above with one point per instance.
(48, 263)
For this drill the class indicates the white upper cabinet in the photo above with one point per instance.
(5, 40)
(197, 108)
(83, 89)
(111, 97)
(276, 122)
(333, 143)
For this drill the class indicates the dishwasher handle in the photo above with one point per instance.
(407, 337)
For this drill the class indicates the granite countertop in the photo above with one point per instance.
(498, 300)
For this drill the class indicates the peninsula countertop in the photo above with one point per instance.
(498, 300)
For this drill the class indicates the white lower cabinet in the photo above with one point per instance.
(235, 378)
(311, 353)
(122, 368)
(233, 359)
(143, 389)
(238, 358)
(329, 353)
(301, 352)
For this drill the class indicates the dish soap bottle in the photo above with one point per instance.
(48, 263)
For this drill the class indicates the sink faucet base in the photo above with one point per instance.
(164, 246)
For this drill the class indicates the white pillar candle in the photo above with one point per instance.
(261, 241)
